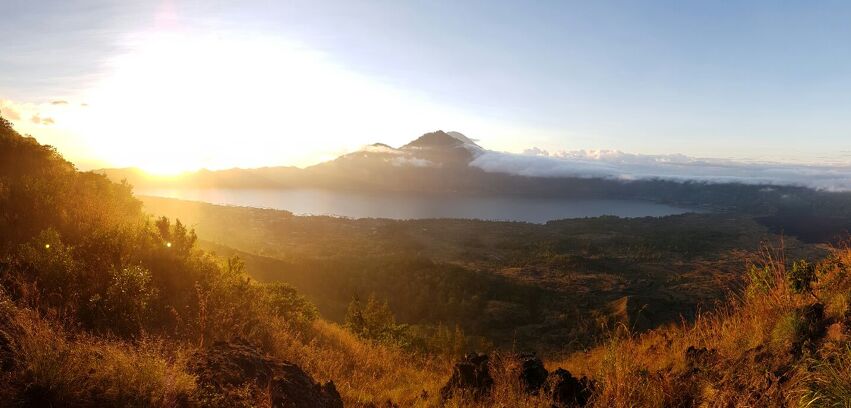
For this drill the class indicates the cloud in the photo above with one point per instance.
(42, 113)
(402, 161)
(614, 164)
(380, 148)
(38, 120)
(535, 151)
(59, 102)
(8, 111)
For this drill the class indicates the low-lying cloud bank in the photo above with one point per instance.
(625, 166)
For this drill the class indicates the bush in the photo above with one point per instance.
(375, 321)
(289, 305)
(801, 276)
(128, 300)
(51, 265)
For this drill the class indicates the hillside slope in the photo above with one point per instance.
(516, 284)
(103, 305)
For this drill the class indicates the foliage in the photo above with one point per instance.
(128, 299)
(289, 305)
(374, 321)
(801, 276)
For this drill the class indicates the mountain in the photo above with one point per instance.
(446, 163)
(436, 161)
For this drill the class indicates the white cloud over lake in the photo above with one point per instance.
(625, 166)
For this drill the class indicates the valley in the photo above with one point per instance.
(545, 287)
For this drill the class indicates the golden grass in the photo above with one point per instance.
(364, 373)
(751, 342)
(54, 368)
(750, 336)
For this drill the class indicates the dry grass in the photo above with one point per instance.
(751, 341)
(52, 368)
(754, 357)
(364, 373)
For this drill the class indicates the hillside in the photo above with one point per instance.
(104, 305)
(531, 285)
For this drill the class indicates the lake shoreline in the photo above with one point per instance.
(408, 206)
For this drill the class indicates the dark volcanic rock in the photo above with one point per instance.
(532, 372)
(226, 366)
(470, 375)
(567, 390)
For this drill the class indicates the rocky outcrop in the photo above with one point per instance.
(470, 376)
(567, 390)
(533, 375)
(227, 366)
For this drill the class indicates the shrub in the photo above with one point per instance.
(801, 276)
(51, 265)
(128, 299)
(375, 321)
(289, 305)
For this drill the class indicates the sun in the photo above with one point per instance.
(182, 101)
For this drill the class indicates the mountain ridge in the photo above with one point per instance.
(440, 162)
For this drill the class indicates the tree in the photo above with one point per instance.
(374, 321)
(289, 305)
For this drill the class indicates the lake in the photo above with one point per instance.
(418, 206)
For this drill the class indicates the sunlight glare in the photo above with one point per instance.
(179, 101)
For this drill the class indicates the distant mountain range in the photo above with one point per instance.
(449, 162)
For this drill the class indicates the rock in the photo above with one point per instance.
(532, 372)
(471, 376)
(229, 365)
(567, 390)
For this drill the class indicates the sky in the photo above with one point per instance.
(171, 85)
